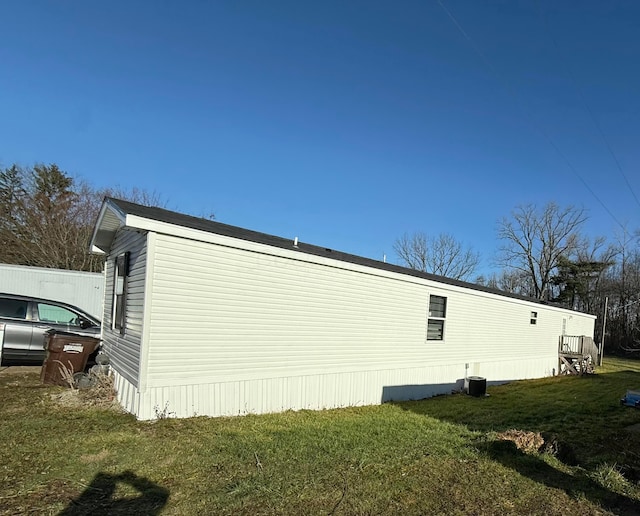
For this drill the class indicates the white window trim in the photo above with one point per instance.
(120, 270)
(436, 318)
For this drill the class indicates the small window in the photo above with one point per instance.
(437, 306)
(534, 317)
(437, 314)
(435, 330)
(120, 292)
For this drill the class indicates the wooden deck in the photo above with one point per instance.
(577, 354)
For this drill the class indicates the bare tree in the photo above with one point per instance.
(442, 255)
(622, 286)
(535, 240)
(512, 281)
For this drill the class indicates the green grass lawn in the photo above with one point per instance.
(443, 455)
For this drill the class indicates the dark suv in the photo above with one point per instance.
(24, 321)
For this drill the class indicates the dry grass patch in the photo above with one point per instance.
(95, 457)
(100, 394)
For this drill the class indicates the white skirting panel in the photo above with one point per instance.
(127, 393)
(319, 391)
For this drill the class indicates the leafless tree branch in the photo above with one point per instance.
(442, 255)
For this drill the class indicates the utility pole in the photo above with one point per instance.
(604, 326)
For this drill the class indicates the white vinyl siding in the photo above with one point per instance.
(227, 314)
(218, 312)
(124, 349)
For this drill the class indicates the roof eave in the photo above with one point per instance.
(110, 219)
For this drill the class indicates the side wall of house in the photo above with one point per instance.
(244, 328)
(124, 350)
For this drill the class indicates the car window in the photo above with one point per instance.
(13, 308)
(57, 315)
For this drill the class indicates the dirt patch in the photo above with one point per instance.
(535, 442)
(633, 428)
(40, 500)
(528, 442)
(20, 376)
(19, 370)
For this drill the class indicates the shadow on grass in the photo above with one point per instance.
(578, 485)
(580, 417)
(98, 497)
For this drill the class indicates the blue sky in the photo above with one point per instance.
(343, 123)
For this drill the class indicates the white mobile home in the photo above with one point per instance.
(203, 318)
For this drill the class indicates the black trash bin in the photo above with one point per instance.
(67, 354)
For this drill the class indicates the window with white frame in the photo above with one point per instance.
(120, 292)
(437, 315)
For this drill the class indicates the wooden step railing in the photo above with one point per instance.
(577, 354)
